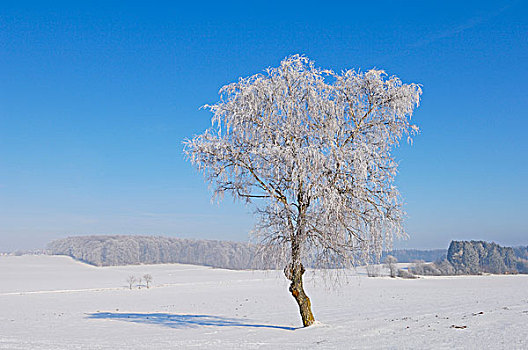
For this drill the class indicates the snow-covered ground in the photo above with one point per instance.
(51, 302)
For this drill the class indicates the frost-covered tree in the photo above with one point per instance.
(311, 148)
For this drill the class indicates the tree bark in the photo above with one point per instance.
(294, 274)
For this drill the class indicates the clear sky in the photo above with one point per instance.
(96, 99)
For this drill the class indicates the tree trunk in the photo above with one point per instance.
(294, 274)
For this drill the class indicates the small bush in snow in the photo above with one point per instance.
(373, 270)
(405, 274)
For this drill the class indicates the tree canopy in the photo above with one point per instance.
(316, 144)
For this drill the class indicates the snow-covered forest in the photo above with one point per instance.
(475, 258)
(133, 250)
(412, 255)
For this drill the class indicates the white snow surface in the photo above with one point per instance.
(53, 302)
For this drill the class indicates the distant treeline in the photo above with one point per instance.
(477, 257)
(133, 250)
(461, 258)
(411, 255)
(521, 252)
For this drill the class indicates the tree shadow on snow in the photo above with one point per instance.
(181, 321)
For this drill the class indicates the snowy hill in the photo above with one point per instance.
(54, 302)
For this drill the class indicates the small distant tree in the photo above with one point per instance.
(139, 282)
(131, 280)
(314, 148)
(148, 279)
(390, 263)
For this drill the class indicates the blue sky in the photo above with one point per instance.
(96, 99)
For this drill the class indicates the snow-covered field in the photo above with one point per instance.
(51, 302)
